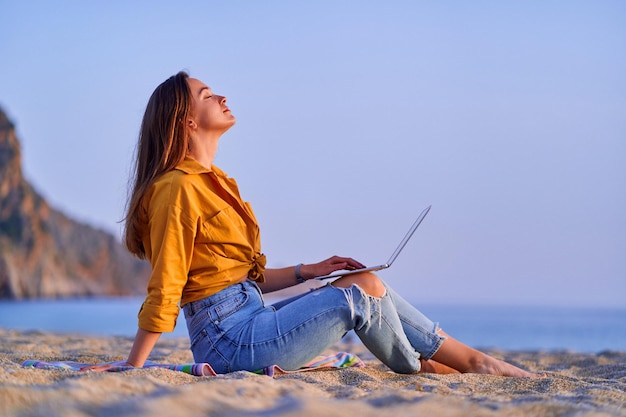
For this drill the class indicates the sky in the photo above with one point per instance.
(509, 118)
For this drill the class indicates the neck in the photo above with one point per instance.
(203, 150)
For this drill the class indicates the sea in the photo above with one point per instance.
(535, 328)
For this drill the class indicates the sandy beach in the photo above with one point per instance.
(576, 384)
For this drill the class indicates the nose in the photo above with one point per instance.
(222, 99)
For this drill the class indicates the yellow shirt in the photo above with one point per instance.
(200, 238)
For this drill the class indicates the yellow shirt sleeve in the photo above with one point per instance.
(171, 241)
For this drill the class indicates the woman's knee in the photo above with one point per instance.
(368, 282)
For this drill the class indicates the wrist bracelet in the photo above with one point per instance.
(298, 276)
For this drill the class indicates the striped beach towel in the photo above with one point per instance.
(337, 360)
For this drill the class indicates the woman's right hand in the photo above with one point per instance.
(327, 266)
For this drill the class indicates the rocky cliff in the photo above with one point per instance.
(43, 253)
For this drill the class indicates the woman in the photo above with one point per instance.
(187, 218)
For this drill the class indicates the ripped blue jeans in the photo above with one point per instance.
(234, 330)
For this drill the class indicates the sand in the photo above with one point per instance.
(576, 385)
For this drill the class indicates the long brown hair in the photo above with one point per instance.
(163, 143)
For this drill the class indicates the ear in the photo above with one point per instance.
(192, 124)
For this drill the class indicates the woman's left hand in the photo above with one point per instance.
(327, 266)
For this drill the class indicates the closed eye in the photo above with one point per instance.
(208, 92)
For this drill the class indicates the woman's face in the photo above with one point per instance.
(209, 113)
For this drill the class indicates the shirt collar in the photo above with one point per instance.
(191, 166)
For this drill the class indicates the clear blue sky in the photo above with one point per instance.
(508, 117)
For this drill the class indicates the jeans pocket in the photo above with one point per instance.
(229, 306)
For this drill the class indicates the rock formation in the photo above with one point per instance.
(43, 253)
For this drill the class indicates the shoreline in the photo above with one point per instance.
(577, 383)
(512, 328)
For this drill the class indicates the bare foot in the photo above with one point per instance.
(485, 364)
(459, 356)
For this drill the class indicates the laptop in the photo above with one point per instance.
(393, 256)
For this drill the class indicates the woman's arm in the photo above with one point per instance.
(277, 279)
(142, 346)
